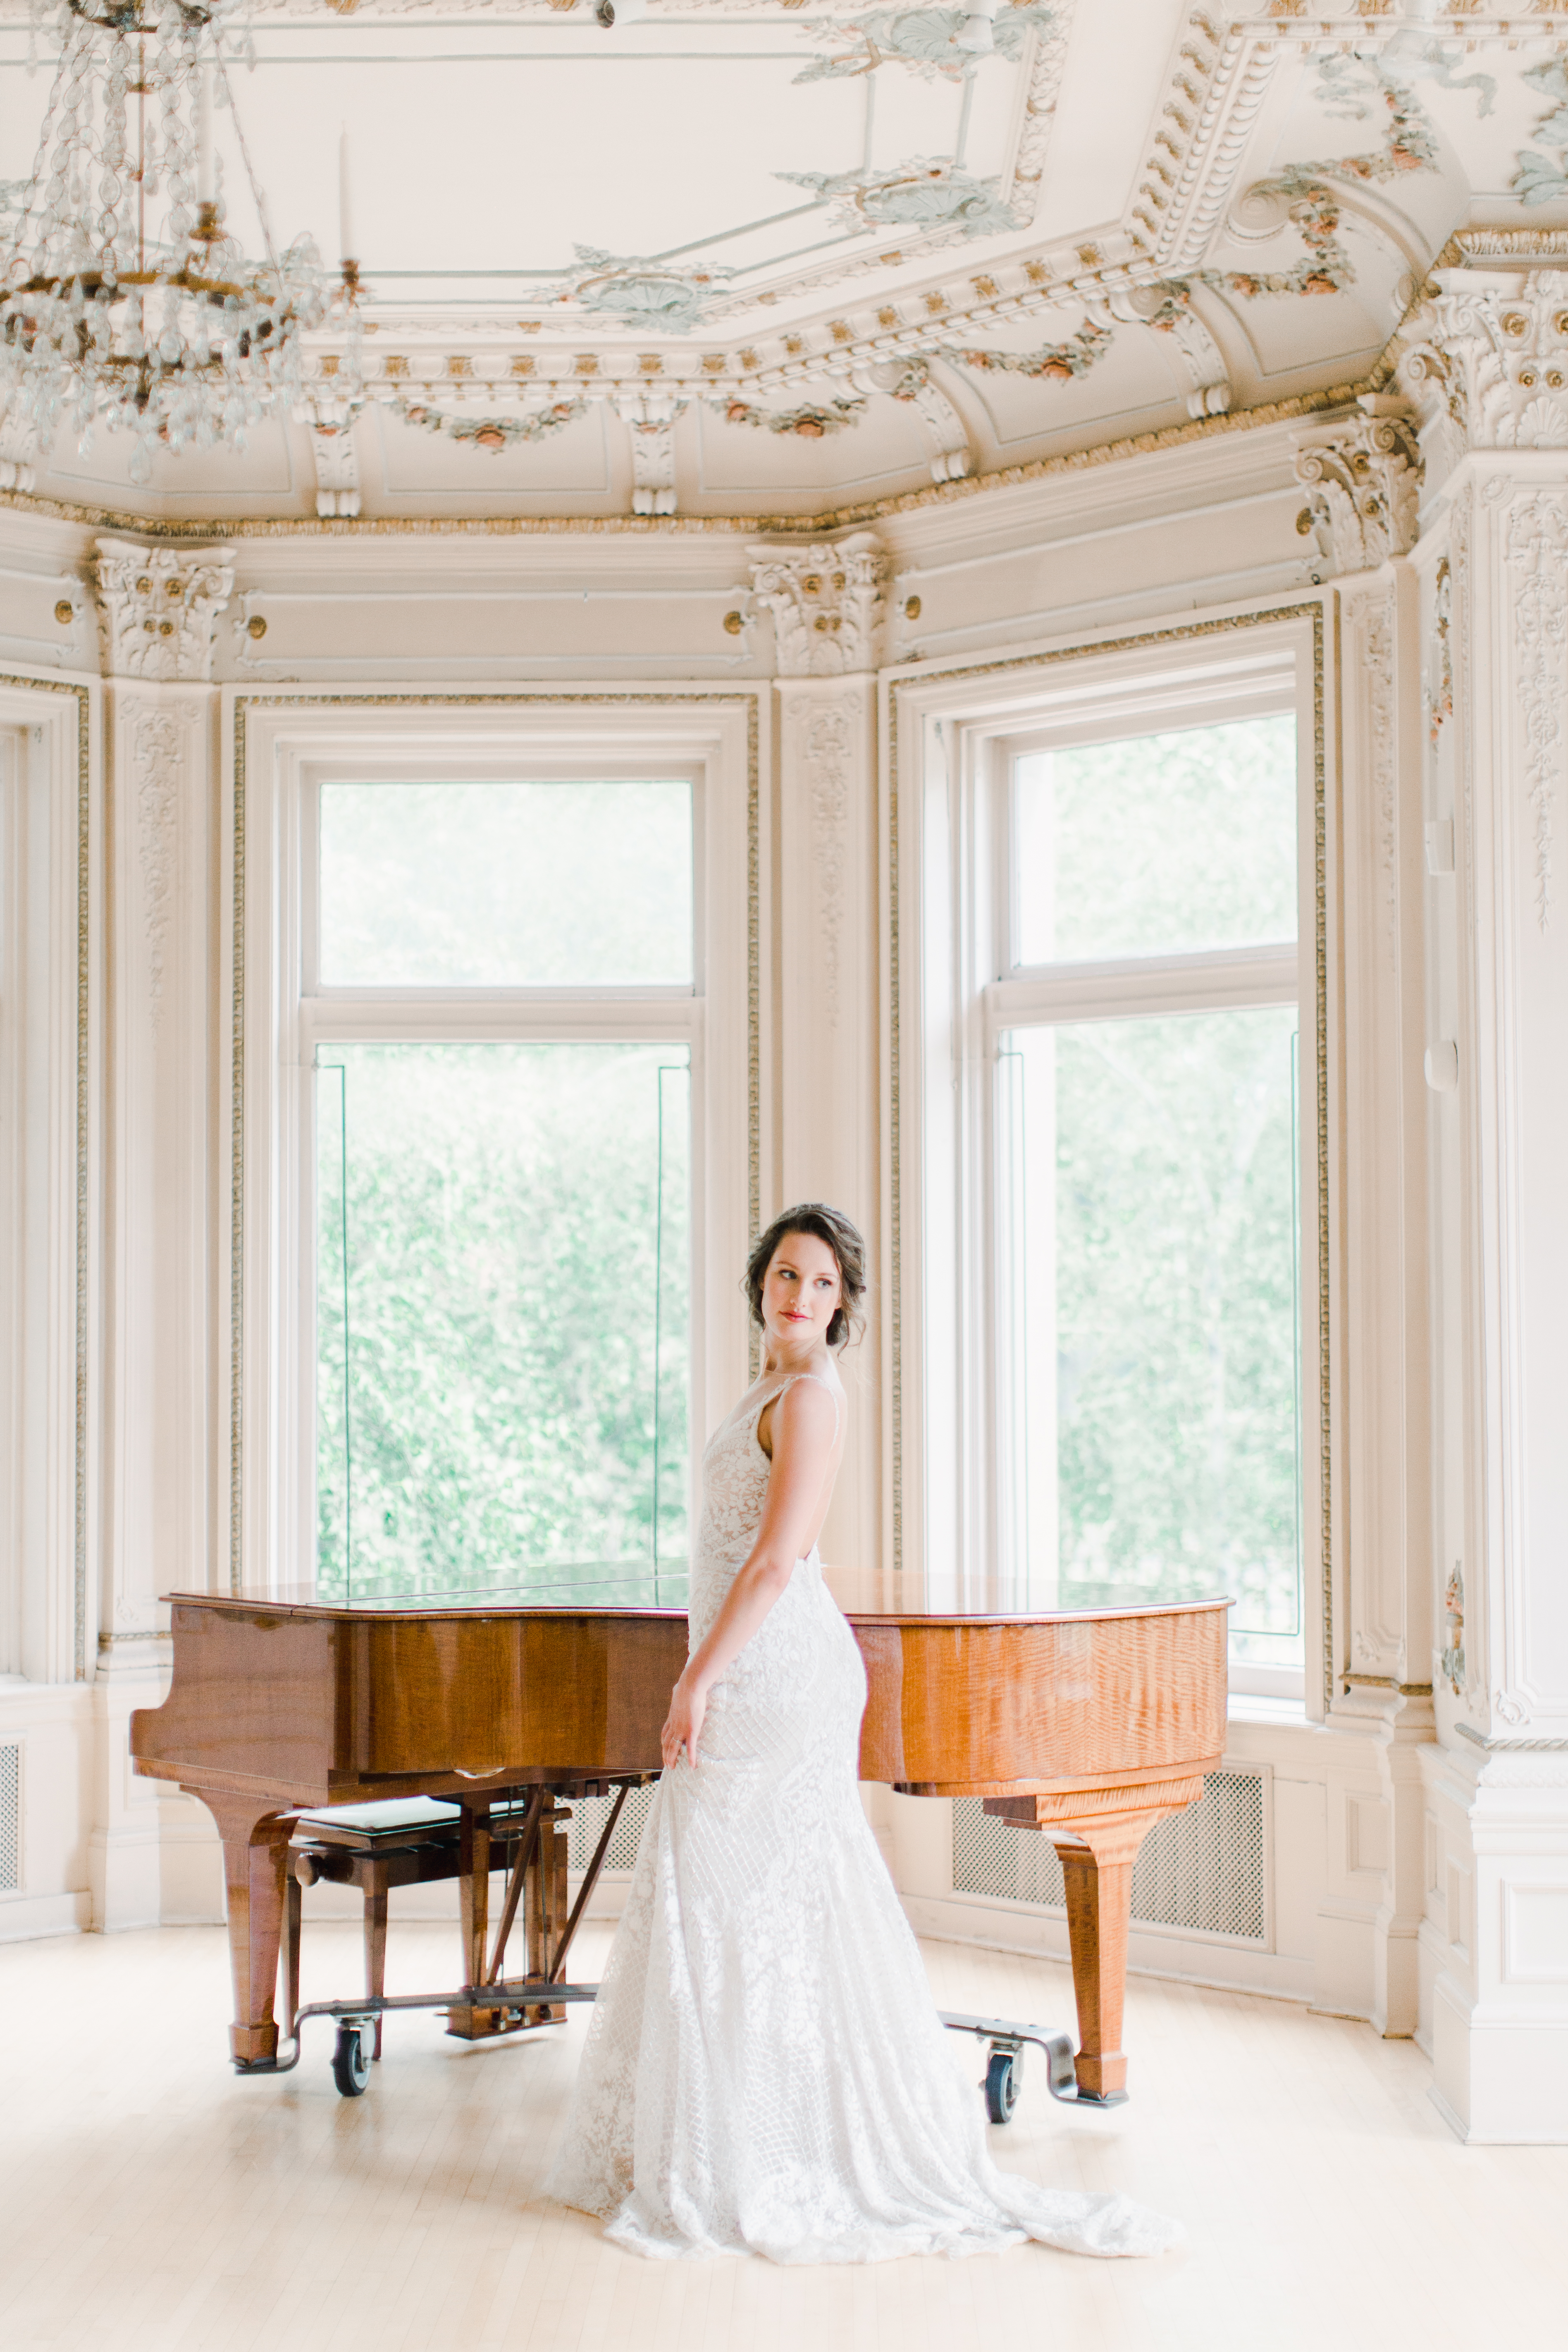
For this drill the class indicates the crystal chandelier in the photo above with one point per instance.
(124, 298)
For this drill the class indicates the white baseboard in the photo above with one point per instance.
(25, 1917)
(1223, 1968)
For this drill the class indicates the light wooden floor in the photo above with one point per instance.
(152, 2202)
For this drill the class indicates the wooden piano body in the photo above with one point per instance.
(1086, 1726)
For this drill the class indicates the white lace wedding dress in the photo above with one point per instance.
(765, 2070)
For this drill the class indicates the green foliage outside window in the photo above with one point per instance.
(503, 1350)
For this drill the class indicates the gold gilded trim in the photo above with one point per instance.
(518, 699)
(1179, 633)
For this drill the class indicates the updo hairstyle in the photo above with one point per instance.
(829, 1225)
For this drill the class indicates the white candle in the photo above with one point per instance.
(204, 135)
(345, 228)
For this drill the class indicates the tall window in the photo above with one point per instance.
(1146, 1035)
(503, 1011)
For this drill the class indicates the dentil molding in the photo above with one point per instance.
(1362, 474)
(158, 609)
(825, 603)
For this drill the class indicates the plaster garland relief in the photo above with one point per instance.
(158, 609)
(825, 603)
(1362, 474)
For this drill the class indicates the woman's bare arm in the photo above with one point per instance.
(805, 1426)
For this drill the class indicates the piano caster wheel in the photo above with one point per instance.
(350, 2067)
(1004, 2076)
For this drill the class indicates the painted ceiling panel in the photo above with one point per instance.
(766, 254)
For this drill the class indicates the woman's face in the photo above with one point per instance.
(801, 1290)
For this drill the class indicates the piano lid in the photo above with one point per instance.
(862, 1593)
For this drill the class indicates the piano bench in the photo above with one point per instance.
(401, 1841)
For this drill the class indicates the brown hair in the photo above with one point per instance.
(829, 1225)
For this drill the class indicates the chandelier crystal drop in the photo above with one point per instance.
(124, 297)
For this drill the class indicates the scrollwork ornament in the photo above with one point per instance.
(1362, 480)
(159, 608)
(824, 601)
(1491, 369)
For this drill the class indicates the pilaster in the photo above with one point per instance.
(158, 609)
(825, 603)
(1492, 376)
(1361, 470)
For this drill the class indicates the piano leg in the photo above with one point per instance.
(474, 1902)
(255, 1872)
(376, 1940)
(546, 1901)
(1097, 1861)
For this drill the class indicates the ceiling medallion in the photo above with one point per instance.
(124, 298)
(642, 293)
(927, 193)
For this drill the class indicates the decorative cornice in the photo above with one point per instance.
(825, 602)
(1362, 474)
(158, 609)
(191, 532)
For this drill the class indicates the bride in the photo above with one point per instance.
(764, 2070)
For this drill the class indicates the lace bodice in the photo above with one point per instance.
(735, 1472)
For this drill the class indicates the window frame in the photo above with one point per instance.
(948, 841)
(282, 756)
(51, 948)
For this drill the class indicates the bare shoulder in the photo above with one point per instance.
(809, 1412)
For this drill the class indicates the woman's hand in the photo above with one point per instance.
(683, 1724)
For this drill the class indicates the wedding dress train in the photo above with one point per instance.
(765, 2070)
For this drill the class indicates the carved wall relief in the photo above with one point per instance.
(1536, 553)
(157, 751)
(1379, 645)
(826, 746)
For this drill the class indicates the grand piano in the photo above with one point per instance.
(1086, 1726)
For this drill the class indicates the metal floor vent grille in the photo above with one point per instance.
(1205, 1870)
(10, 1816)
(589, 1815)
